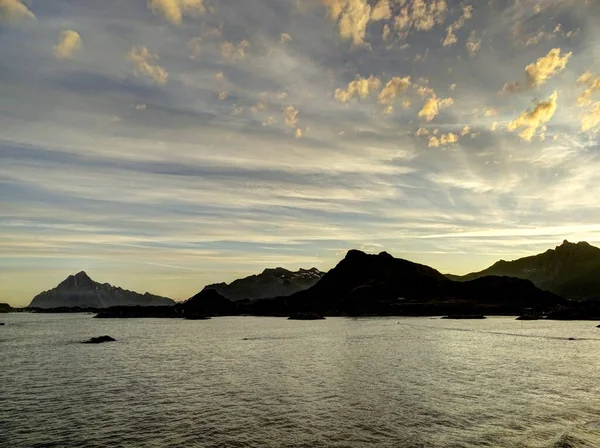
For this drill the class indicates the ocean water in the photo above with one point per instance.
(269, 382)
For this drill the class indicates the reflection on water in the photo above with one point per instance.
(255, 382)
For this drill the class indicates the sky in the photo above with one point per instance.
(161, 145)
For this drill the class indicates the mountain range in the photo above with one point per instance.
(270, 283)
(571, 270)
(81, 291)
(363, 284)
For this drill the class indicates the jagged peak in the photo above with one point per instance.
(568, 245)
(82, 275)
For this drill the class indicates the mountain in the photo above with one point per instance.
(571, 270)
(270, 283)
(363, 284)
(81, 291)
(383, 285)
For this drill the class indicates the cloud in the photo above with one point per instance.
(361, 88)
(451, 38)
(68, 43)
(465, 131)
(473, 44)
(381, 11)
(194, 47)
(433, 106)
(284, 38)
(290, 116)
(590, 119)
(144, 65)
(531, 120)
(592, 84)
(546, 67)
(174, 10)
(12, 12)
(352, 17)
(233, 52)
(420, 15)
(396, 85)
(444, 140)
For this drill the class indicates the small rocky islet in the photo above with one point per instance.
(99, 340)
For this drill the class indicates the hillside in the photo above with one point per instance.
(571, 270)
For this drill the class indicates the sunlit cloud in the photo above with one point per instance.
(69, 43)
(144, 64)
(13, 12)
(533, 119)
(174, 10)
(433, 106)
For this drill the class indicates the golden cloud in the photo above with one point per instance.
(233, 52)
(144, 64)
(546, 67)
(433, 106)
(381, 11)
(352, 17)
(532, 119)
(290, 116)
(68, 43)
(396, 85)
(444, 140)
(451, 38)
(420, 15)
(590, 119)
(12, 12)
(465, 131)
(361, 88)
(174, 10)
(421, 132)
(284, 38)
(592, 84)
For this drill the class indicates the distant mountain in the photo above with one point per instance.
(383, 285)
(5, 308)
(270, 283)
(570, 270)
(81, 291)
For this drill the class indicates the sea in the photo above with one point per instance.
(270, 382)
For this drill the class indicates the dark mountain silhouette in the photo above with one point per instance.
(81, 291)
(363, 284)
(570, 270)
(381, 284)
(270, 283)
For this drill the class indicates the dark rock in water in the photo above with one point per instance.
(598, 326)
(1, 323)
(99, 340)
(197, 317)
(306, 316)
(572, 339)
(464, 316)
(528, 317)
